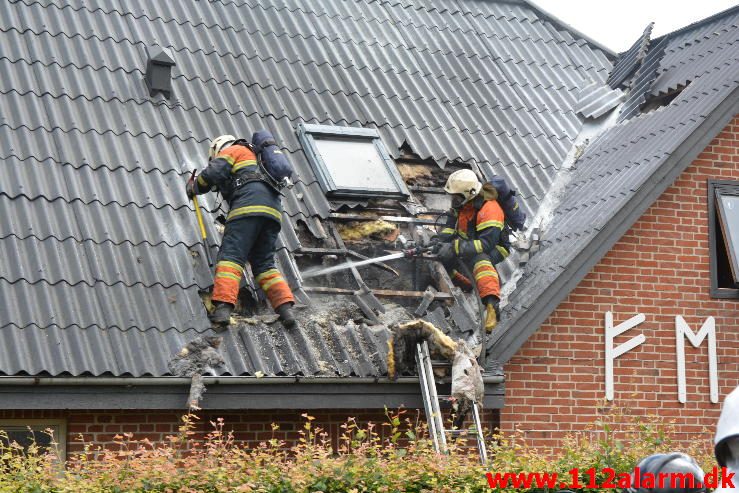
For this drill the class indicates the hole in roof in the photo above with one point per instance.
(661, 100)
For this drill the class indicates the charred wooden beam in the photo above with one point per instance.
(437, 190)
(441, 277)
(363, 296)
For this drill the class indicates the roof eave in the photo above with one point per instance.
(240, 393)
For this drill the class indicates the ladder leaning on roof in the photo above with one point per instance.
(433, 409)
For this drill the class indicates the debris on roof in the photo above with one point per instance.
(467, 385)
(596, 100)
(197, 358)
(630, 60)
(405, 337)
(641, 86)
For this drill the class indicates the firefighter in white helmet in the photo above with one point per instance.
(473, 237)
(727, 440)
(252, 227)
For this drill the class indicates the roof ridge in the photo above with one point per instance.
(701, 22)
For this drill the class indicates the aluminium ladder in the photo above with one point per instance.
(433, 409)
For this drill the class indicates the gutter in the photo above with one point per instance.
(154, 381)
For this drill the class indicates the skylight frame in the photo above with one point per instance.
(307, 134)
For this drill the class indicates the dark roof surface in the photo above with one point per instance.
(626, 168)
(101, 264)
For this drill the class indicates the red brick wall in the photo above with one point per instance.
(249, 427)
(555, 384)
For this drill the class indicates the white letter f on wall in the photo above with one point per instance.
(613, 353)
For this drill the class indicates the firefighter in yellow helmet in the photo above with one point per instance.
(252, 227)
(473, 237)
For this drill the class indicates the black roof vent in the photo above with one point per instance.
(159, 71)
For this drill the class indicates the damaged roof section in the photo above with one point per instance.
(596, 100)
(630, 60)
(93, 163)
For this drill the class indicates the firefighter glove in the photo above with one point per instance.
(190, 188)
(446, 253)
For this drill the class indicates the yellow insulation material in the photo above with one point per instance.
(405, 337)
(362, 230)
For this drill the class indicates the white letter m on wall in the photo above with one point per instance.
(682, 330)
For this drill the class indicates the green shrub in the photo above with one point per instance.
(403, 461)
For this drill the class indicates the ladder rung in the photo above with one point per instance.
(440, 364)
(471, 431)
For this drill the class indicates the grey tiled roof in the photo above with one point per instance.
(102, 267)
(622, 172)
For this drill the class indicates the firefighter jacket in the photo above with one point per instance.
(234, 173)
(477, 228)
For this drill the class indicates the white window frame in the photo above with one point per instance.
(39, 425)
(306, 132)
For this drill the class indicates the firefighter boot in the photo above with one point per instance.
(491, 314)
(221, 316)
(287, 318)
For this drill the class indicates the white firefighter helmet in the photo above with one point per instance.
(669, 464)
(463, 182)
(218, 144)
(727, 432)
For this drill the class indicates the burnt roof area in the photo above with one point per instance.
(110, 104)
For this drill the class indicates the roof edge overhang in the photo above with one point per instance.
(223, 393)
(663, 177)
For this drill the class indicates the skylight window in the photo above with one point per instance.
(723, 200)
(351, 162)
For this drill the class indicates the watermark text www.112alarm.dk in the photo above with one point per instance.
(609, 478)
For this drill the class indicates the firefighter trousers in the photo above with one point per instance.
(250, 239)
(482, 267)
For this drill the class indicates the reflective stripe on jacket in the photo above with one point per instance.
(255, 198)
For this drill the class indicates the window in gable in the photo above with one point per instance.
(723, 200)
(351, 162)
